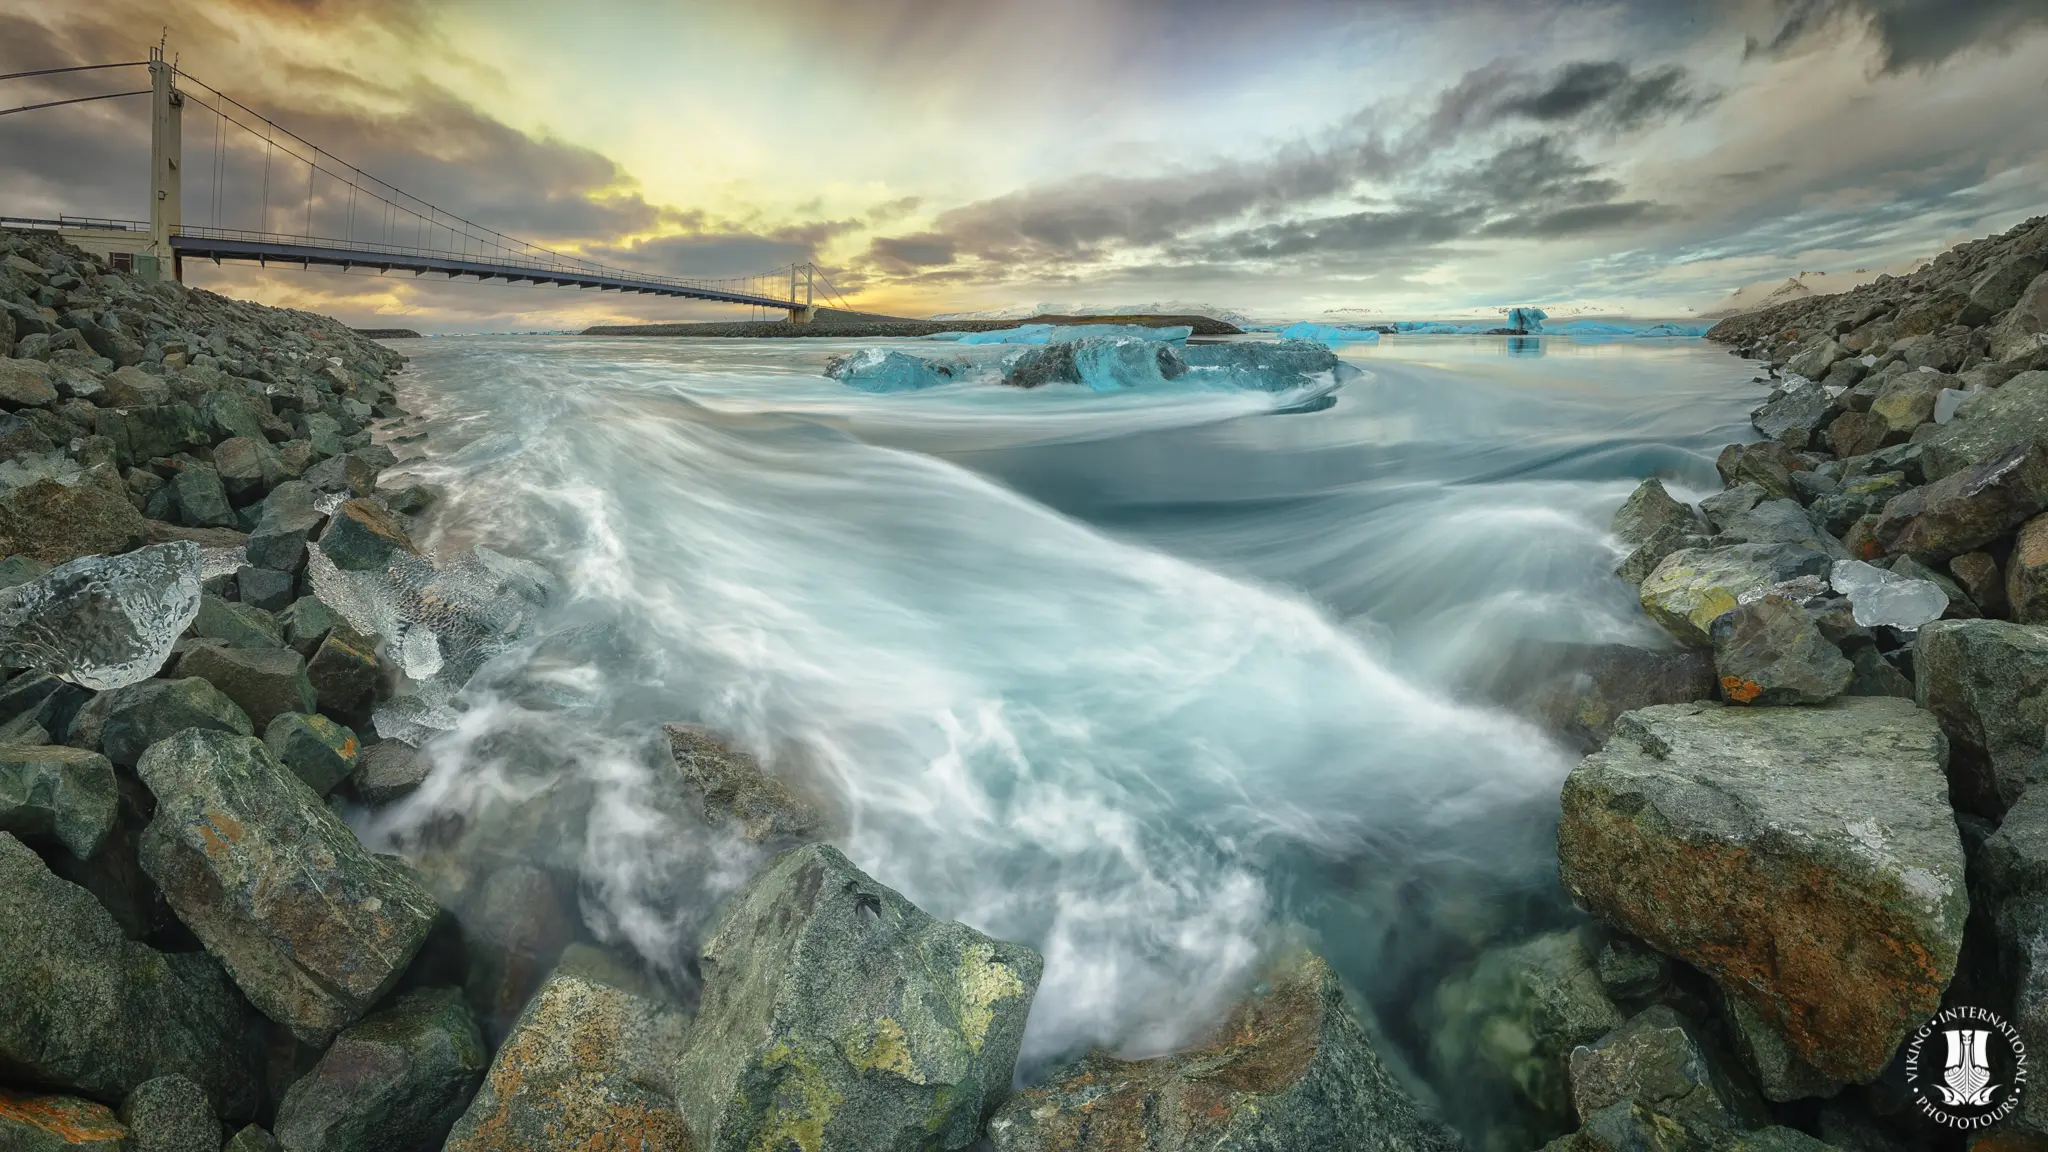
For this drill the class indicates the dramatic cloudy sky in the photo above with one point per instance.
(1284, 158)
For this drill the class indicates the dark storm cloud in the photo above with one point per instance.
(1593, 95)
(1915, 33)
(712, 249)
(920, 250)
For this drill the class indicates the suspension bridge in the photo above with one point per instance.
(311, 208)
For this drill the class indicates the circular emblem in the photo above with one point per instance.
(1966, 1068)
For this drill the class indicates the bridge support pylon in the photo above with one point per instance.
(166, 183)
(801, 274)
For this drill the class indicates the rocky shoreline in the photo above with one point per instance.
(1799, 832)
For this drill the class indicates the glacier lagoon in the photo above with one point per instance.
(1152, 682)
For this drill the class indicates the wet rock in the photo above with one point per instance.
(84, 1008)
(1731, 501)
(287, 521)
(1628, 1127)
(1778, 1070)
(1575, 691)
(590, 1064)
(1768, 653)
(31, 1123)
(313, 928)
(236, 625)
(1795, 417)
(1290, 1068)
(1986, 681)
(202, 502)
(1512, 1022)
(65, 794)
(1988, 425)
(263, 682)
(363, 536)
(1768, 465)
(1770, 848)
(264, 589)
(319, 752)
(1979, 575)
(343, 672)
(395, 1082)
(389, 771)
(1637, 565)
(350, 474)
(27, 384)
(1649, 509)
(139, 715)
(1968, 508)
(1693, 587)
(1630, 969)
(170, 1114)
(410, 500)
(1781, 522)
(1658, 1061)
(729, 785)
(516, 922)
(833, 1006)
(53, 523)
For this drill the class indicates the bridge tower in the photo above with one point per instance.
(806, 312)
(166, 184)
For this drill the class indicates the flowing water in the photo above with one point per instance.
(1147, 682)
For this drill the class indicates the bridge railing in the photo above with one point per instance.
(51, 224)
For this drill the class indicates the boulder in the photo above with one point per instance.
(236, 625)
(395, 1082)
(1650, 508)
(235, 415)
(135, 717)
(363, 536)
(30, 1123)
(144, 434)
(2026, 573)
(312, 926)
(1728, 502)
(389, 771)
(287, 521)
(170, 1114)
(1856, 498)
(729, 786)
(306, 622)
(319, 752)
(1289, 1068)
(59, 793)
(2020, 332)
(1768, 653)
(1694, 586)
(1857, 433)
(1988, 424)
(133, 388)
(1637, 565)
(1780, 522)
(264, 589)
(515, 923)
(1779, 1072)
(27, 384)
(1814, 361)
(247, 466)
(1986, 681)
(1966, 509)
(1999, 287)
(263, 682)
(53, 522)
(84, 1008)
(18, 437)
(833, 1006)
(1659, 1061)
(1575, 691)
(1631, 1127)
(589, 1064)
(1907, 401)
(2012, 884)
(1768, 465)
(350, 474)
(1982, 582)
(1803, 858)
(254, 1138)
(343, 672)
(1795, 416)
(202, 501)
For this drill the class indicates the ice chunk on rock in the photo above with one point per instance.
(1946, 403)
(1330, 334)
(104, 622)
(1878, 597)
(1102, 363)
(887, 370)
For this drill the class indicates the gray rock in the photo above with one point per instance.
(1986, 681)
(729, 785)
(1630, 969)
(1694, 586)
(1778, 1070)
(313, 928)
(1966, 509)
(84, 1008)
(1575, 691)
(1814, 362)
(287, 521)
(306, 622)
(247, 466)
(1768, 848)
(2013, 886)
(53, 523)
(395, 1082)
(1650, 509)
(2018, 336)
(236, 625)
(389, 771)
(1658, 1061)
(1982, 582)
(1857, 497)
(891, 1028)
(27, 384)
(1781, 522)
(1289, 1069)
(254, 1138)
(144, 434)
(590, 1064)
(1907, 401)
(170, 1114)
(1999, 287)
(1768, 465)
(319, 752)
(202, 501)
(135, 717)
(1795, 417)
(1857, 433)
(343, 672)
(1988, 424)
(66, 794)
(265, 589)
(1730, 501)
(263, 682)
(1769, 653)
(58, 1123)
(1637, 565)
(363, 536)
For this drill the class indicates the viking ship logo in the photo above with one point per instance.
(1966, 1078)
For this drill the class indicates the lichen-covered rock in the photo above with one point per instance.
(363, 536)
(53, 522)
(731, 785)
(264, 682)
(319, 752)
(1988, 424)
(589, 1065)
(2026, 574)
(1730, 502)
(1857, 433)
(139, 715)
(1650, 508)
(27, 384)
(1779, 1072)
(1986, 681)
(1693, 587)
(85, 1008)
(58, 1124)
(1857, 497)
(1289, 1069)
(1804, 858)
(312, 926)
(1968, 508)
(1769, 653)
(835, 1008)
(170, 1114)
(1657, 1060)
(395, 1082)
(1906, 401)
(66, 794)
(1511, 1023)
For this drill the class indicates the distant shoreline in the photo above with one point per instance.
(863, 329)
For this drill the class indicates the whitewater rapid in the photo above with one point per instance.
(1148, 683)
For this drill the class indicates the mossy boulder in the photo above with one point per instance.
(1693, 587)
(394, 1082)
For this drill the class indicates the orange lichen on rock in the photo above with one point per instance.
(76, 1122)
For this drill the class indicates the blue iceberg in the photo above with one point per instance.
(1527, 320)
(1022, 334)
(1115, 364)
(877, 370)
(1330, 334)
